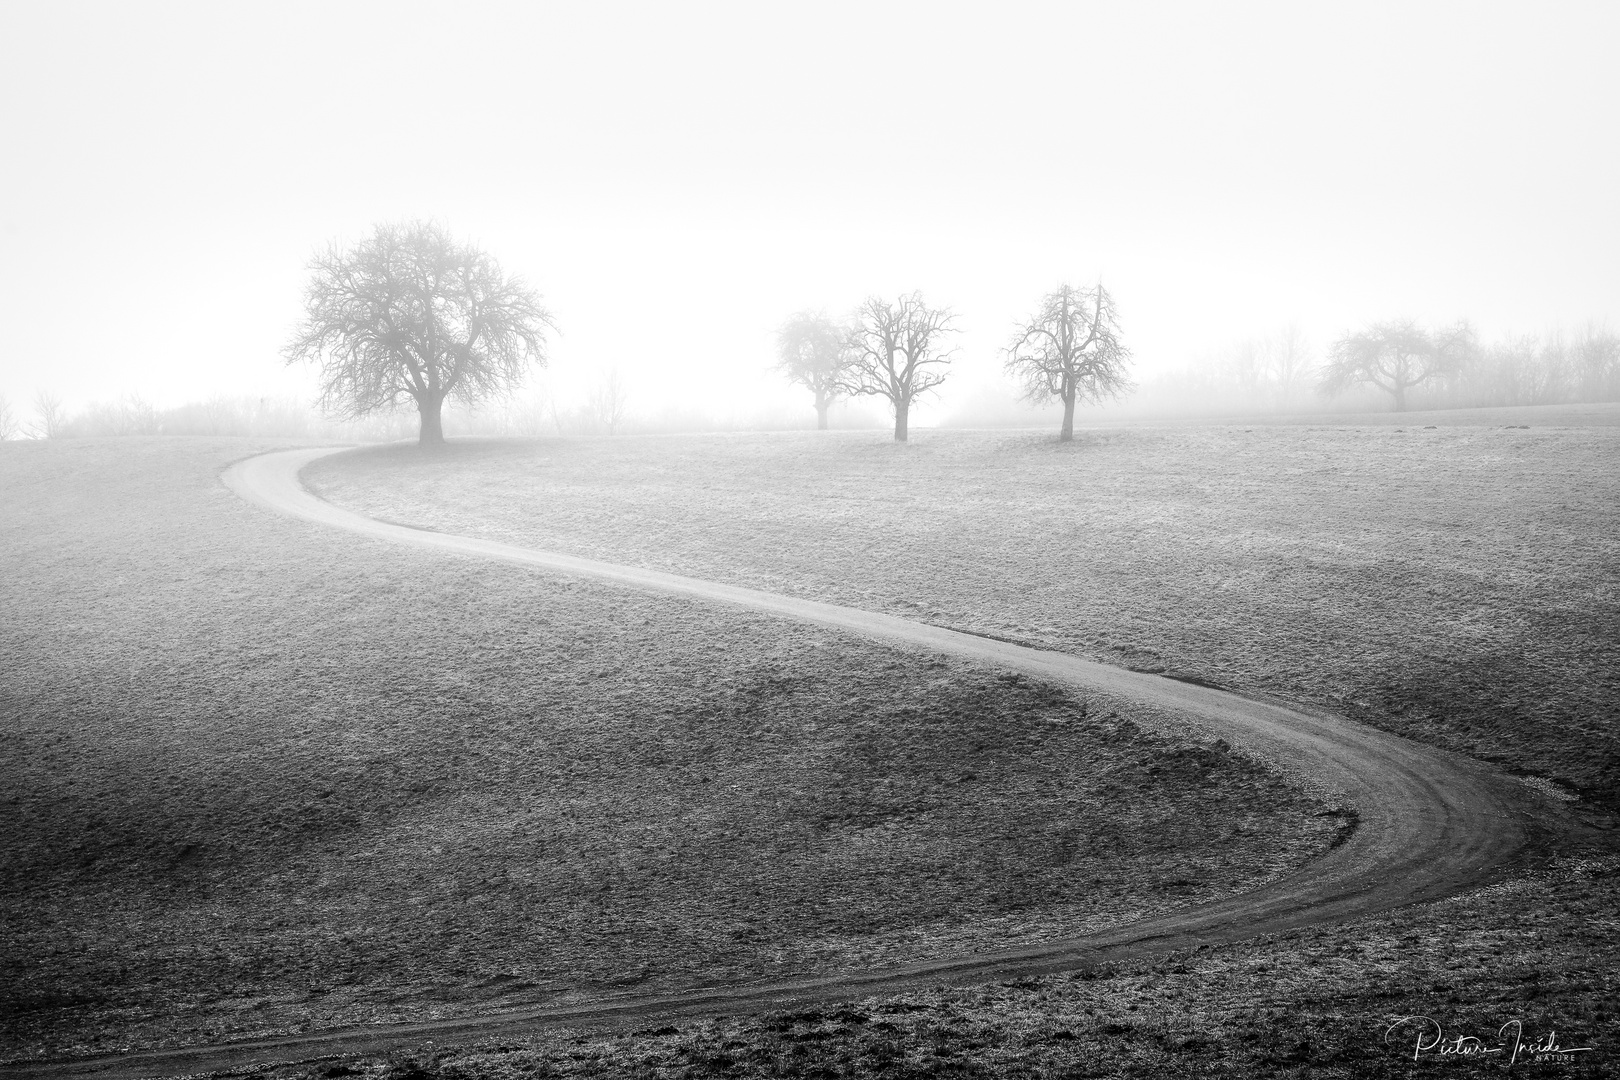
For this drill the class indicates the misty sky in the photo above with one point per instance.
(676, 179)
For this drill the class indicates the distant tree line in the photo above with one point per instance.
(132, 415)
(48, 421)
(1277, 369)
(1449, 367)
(290, 418)
(1261, 372)
(1405, 362)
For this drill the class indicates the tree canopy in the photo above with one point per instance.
(893, 350)
(1395, 356)
(810, 351)
(1070, 350)
(412, 313)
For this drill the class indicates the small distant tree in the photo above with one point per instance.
(810, 351)
(8, 420)
(1289, 361)
(524, 417)
(1070, 351)
(894, 351)
(1596, 356)
(609, 399)
(1243, 365)
(1543, 368)
(52, 415)
(1269, 370)
(1395, 357)
(413, 314)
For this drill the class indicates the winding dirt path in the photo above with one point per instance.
(1430, 823)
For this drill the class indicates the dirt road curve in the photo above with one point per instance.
(1431, 823)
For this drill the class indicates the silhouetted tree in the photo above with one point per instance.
(411, 313)
(8, 420)
(1597, 364)
(608, 400)
(1289, 362)
(1267, 370)
(1395, 357)
(52, 415)
(1070, 351)
(893, 351)
(810, 348)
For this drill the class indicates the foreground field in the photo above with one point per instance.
(1430, 824)
(1457, 584)
(260, 778)
(1541, 951)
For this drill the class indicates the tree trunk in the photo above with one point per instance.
(821, 415)
(1400, 397)
(1067, 433)
(901, 410)
(432, 433)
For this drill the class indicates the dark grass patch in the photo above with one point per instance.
(255, 776)
(1540, 949)
(1460, 586)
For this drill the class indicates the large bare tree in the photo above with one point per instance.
(1070, 351)
(1395, 357)
(894, 351)
(810, 351)
(413, 314)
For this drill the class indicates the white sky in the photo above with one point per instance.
(677, 178)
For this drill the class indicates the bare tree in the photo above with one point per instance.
(52, 415)
(1244, 365)
(1269, 369)
(1596, 360)
(1289, 361)
(893, 351)
(524, 417)
(1395, 357)
(811, 351)
(1070, 351)
(412, 314)
(1546, 372)
(9, 425)
(609, 399)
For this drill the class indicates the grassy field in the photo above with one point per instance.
(1542, 950)
(1455, 583)
(1447, 577)
(257, 777)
